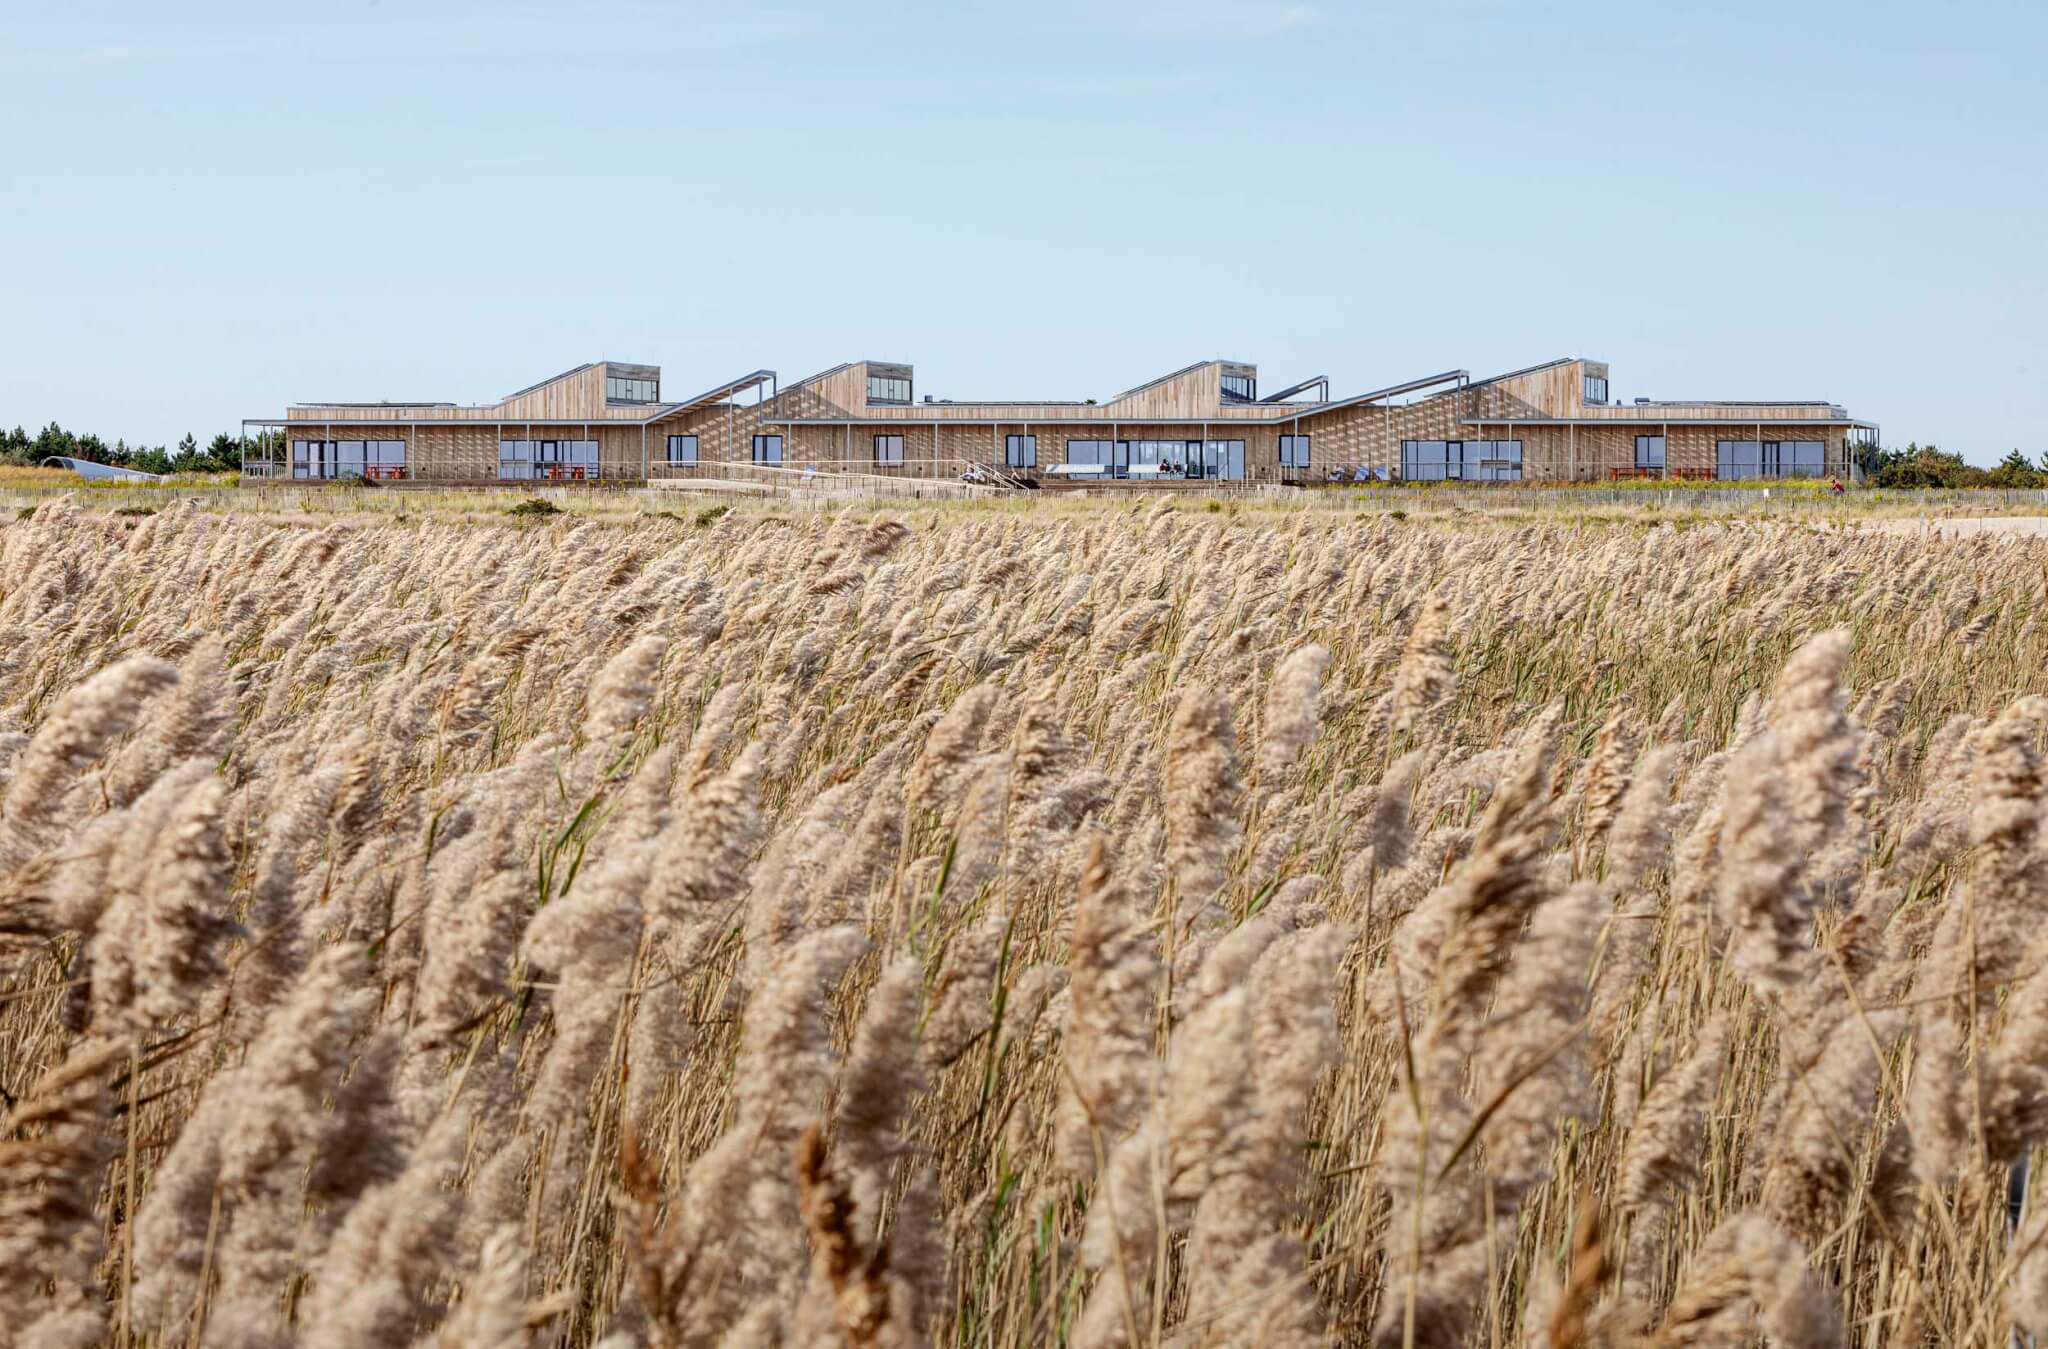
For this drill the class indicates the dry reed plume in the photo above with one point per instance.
(1088, 928)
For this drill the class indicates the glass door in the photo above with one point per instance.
(1223, 459)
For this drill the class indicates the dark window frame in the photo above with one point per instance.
(1463, 461)
(625, 389)
(1593, 382)
(552, 459)
(889, 381)
(1663, 452)
(1773, 461)
(896, 436)
(761, 443)
(1020, 451)
(1216, 454)
(1725, 461)
(696, 449)
(1092, 447)
(1247, 393)
(324, 460)
(1298, 445)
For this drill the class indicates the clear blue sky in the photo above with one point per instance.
(209, 210)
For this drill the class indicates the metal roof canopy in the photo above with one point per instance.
(712, 395)
(1391, 391)
(1294, 389)
(1281, 412)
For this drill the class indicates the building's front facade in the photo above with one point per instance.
(608, 422)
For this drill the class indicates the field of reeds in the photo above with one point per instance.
(1106, 927)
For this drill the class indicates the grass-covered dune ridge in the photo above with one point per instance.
(1097, 928)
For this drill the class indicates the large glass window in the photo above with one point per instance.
(1770, 459)
(1799, 458)
(1429, 461)
(1161, 458)
(1240, 388)
(1294, 451)
(1596, 388)
(1649, 451)
(1168, 458)
(619, 390)
(767, 449)
(1090, 452)
(548, 460)
(888, 449)
(1461, 460)
(1021, 451)
(1492, 460)
(888, 389)
(682, 449)
(330, 459)
(1738, 459)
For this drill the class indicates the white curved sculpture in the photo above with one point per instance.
(86, 468)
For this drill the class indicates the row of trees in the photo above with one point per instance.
(1932, 466)
(223, 454)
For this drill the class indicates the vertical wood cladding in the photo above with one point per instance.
(826, 421)
(1347, 438)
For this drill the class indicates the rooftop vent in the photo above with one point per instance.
(1640, 402)
(927, 398)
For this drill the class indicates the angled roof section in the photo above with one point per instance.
(1169, 378)
(822, 375)
(551, 379)
(1525, 370)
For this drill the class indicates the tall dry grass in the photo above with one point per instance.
(1099, 928)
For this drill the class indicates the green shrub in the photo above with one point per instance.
(534, 506)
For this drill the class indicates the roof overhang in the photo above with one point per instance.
(1733, 422)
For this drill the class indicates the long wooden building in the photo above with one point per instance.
(610, 421)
